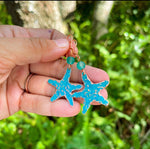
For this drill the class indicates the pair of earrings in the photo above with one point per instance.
(90, 91)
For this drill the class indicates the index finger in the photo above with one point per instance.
(17, 31)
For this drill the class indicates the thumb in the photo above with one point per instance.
(21, 51)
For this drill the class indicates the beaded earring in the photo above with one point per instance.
(64, 87)
(90, 91)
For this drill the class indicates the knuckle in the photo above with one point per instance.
(39, 44)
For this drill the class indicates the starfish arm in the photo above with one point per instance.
(67, 74)
(53, 82)
(76, 87)
(101, 99)
(85, 79)
(69, 98)
(55, 96)
(64, 87)
(102, 84)
(86, 106)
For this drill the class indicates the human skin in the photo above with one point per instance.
(38, 51)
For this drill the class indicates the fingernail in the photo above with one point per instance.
(61, 42)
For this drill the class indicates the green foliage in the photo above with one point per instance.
(124, 54)
(5, 18)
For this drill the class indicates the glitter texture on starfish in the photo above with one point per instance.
(64, 87)
(91, 92)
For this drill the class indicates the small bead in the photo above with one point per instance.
(70, 60)
(80, 65)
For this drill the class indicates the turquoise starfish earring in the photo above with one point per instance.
(91, 91)
(64, 87)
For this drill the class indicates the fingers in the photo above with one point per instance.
(39, 85)
(17, 31)
(42, 105)
(56, 69)
(21, 51)
(34, 47)
(13, 31)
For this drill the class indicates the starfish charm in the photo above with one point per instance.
(91, 92)
(64, 87)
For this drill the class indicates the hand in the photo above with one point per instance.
(37, 51)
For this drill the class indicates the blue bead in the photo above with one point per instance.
(80, 65)
(70, 60)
